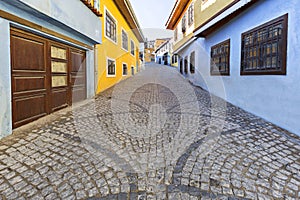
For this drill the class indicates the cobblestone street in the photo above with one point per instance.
(153, 136)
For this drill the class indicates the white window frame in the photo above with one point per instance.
(133, 47)
(122, 40)
(107, 11)
(123, 69)
(111, 75)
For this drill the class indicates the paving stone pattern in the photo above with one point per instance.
(153, 136)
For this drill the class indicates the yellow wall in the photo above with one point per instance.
(114, 50)
(205, 12)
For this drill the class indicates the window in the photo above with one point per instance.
(220, 55)
(124, 40)
(186, 65)
(132, 47)
(110, 27)
(176, 34)
(125, 69)
(183, 23)
(180, 66)
(191, 15)
(192, 62)
(111, 67)
(264, 49)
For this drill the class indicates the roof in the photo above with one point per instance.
(128, 13)
(176, 13)
(223, 17)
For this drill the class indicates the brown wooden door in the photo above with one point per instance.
(46, 76)
(29, 77)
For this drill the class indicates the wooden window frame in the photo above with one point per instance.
(112, 36)
(124, 33)
(107, 71)
(222, 56)
(258, 48)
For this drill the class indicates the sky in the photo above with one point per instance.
(152, 16)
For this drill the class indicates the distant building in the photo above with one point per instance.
(163, 52)
(149, 54)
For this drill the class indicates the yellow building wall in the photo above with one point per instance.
(109, 49)
(205, 10)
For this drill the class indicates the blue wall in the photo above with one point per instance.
(275, 98)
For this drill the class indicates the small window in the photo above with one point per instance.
(183, 23)
(124, 40)
(192, 62)
(125, 69)
(264, 49)
(186, 65)
(111, 67)
(220, 55)
(176, 34)
(110, 27)
(191, 15)
(132, 48)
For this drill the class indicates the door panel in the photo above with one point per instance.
(29, 80)
(27, 49)
(78, 75)
(59, 76)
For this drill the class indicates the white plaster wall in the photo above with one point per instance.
(275, 98)
(90, 74)
(72, 13)
(5, 80)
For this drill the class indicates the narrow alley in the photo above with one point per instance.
(152, 136)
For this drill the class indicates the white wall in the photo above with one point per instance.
(5, 80)
(72, 13)
(275, 98)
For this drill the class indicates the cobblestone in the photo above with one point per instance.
(153, 136)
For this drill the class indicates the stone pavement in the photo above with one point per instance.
(153, 136)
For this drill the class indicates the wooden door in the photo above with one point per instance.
(29, 77)
(46, 76)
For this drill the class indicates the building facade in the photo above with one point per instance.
(118, 55)
(47, 57)
(163, 53)
(182, 22)
(149, 51)
(250, 49)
